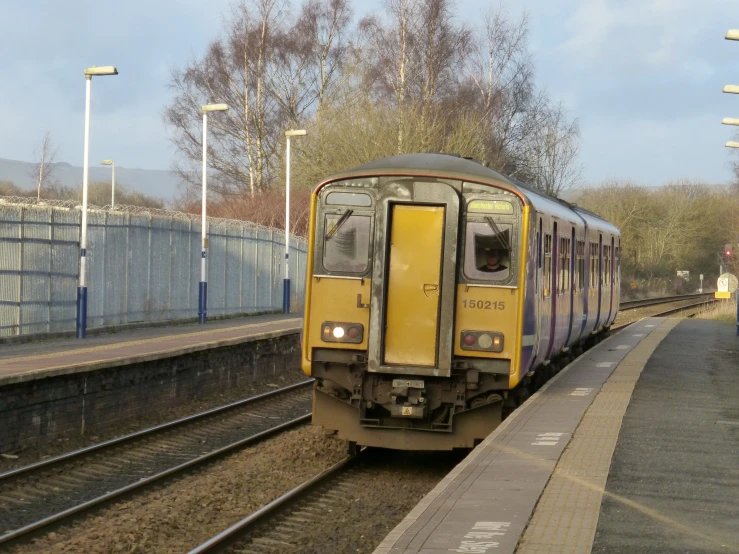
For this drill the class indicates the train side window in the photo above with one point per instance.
(606, 265)
(346, 242)
(568, 264)
(547, 276)
(593, 265)
(580, 267)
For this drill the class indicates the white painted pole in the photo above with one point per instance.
(286, 282)
(203, 291)
(82, 288)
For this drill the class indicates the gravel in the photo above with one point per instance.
(61, 446)
(176, 517)
(355, 512)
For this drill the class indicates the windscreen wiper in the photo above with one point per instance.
(337, 226)
(498, 232)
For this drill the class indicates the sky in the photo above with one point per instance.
(643, 77)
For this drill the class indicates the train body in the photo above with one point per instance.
(439, 292)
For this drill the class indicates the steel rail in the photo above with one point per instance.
(634, 304)
(214, 543)
(151, 430)
(666, 312)
(149, 480)
(20, 532)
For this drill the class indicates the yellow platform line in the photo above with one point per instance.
(141, 342)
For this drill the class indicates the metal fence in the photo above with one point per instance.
(143, 265)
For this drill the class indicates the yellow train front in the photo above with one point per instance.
(418, 329)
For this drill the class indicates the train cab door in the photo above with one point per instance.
(413, 280)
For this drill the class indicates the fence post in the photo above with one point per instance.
(21, 236)
(147, 304)
(127, 276)
(241, 272)
(51, 268)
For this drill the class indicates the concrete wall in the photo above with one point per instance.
(39, 411)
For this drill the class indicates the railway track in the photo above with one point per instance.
(34, 497)
(338, 509)
(634, 304)
(695, 306)
(40, 495)
(282, 524)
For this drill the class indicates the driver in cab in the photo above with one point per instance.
(493, 259)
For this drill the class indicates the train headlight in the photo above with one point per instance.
(482, 341)
(333, 331)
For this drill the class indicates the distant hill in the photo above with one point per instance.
(154, 182)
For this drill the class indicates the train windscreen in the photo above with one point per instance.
(488, 247)
(347, 242)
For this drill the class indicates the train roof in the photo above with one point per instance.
(455, 167)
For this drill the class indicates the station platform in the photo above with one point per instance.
(40, 360)
(634, 447)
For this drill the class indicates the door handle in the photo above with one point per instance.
(428, 289)
(359, 302)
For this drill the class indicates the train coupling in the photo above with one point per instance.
(408, 398)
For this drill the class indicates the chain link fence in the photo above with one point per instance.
(143, 265)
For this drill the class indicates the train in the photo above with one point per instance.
(440, 294)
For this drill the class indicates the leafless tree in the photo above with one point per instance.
(552, 150)
(44, 163)
(501, 73)
(236, 70)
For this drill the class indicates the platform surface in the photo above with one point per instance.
(537, 484)
(35, 360)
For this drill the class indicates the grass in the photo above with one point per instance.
(723, 310)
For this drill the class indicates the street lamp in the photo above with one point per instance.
(733, 34)
(203, 288)
(112, 181)
(81, 322)
(286, 282)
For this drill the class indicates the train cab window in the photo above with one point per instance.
(488, 247)
(346, 243)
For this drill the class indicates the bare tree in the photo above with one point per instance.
(237, 70)
(44, 163)
(552, 152)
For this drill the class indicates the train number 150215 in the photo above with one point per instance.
(483, 305)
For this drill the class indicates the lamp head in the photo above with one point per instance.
(106, 162)
(100, 71)
(296, 133)
(214, 108)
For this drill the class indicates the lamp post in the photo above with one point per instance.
(733, 34)
(286, 281)
(81, 322)
(112, 181)
(203, 287)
